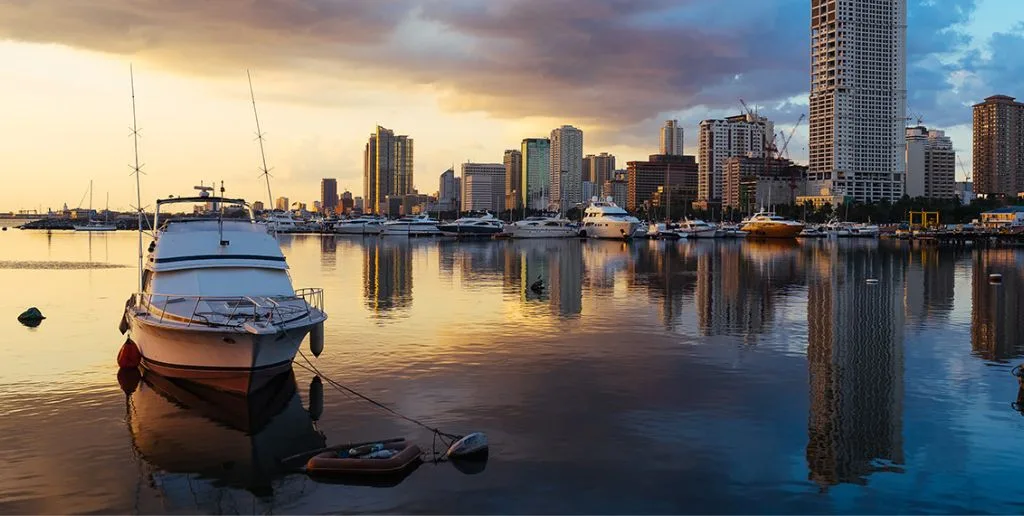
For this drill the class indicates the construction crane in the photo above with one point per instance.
(967, 173)
(785, 142)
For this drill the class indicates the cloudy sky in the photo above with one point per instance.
(465, 78)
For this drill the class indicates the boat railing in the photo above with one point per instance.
(233, 311)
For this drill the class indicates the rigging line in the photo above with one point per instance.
(337, 385)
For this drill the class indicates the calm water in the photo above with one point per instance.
(648, 378)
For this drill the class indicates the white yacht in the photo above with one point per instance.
(543, 227)
(420, 225)
(216, 303)
(864, 230)
(364, 225)
(732, 231)
(482, 225)
(282, 221)
(605, 219)
(664, 231)
(696, 229)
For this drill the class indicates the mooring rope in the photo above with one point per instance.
(446, 438)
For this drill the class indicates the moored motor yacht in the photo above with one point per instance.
(813, 232)
(766, 224)
(364, 225)
(282, 221)
(605, 219)
(696, 229)
(482, 225)
(543, 227)
(419, 225)
(216, 303)
(732, 231)
(664, 231)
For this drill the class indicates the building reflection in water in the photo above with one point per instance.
(387, 274)
(738, 284)
(997, 312)
(208, 448)
(928, 288)
(666, 274)
(328, 252)
(559, 264)
(856, 363)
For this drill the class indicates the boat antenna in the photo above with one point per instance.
(220, 215)
(136, 170)
(259, 137)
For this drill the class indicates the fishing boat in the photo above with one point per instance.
(95, 225)
(766, 224)
(217, 305)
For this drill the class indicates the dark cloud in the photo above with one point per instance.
(595, 63)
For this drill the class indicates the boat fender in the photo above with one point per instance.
(471, 444)
(995, 278)
(316, 398)
(123, 325)
(316, 340)
(129, 355)
(872, 281)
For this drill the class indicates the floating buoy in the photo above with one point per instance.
(474, 444)
(316, 340)
(128, 378)
(995, 278)
(129, 355)
(31, 317)
(5, 228)
(316, 398)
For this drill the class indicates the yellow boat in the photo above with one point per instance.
(765, 224)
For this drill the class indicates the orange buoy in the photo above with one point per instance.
(129, 355)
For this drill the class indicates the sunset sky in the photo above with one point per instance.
(466, 79)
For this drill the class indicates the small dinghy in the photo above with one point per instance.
(385, 458)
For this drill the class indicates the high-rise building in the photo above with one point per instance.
(618, 190)
(257, 206)
(645, 177)
(999, 146)
(536, 189)
(598, 168)
(858, 98)
(328, 195)
(671, 138)
(931, 164)
(752, 183)
(566, 166)
(740, 135)
(357, 204)
(483, 187)
(590, 190)
(449, 192)
(281, 203)
(347, 202)
(513, 178)
(387, 167)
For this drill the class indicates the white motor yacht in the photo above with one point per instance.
(216, 303)
(543, 227)
(420, 225)
(282, 221)
(664, 231)
(864, 230)
(485, 225)
(605, 219)
(696, 229)
(364, 225)
(732, 231)
(813, 232)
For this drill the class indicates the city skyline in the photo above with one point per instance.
(197, 122)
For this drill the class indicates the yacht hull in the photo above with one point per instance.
(610, 230)
(229, 360)
(361, 230)
(457, 230)
(406, 230)
(95, 228)
(540, 232)
(698, 233)
(760, 230)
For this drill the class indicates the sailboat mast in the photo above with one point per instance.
(90, 197)
(668, 193)
(259, 137)
(137, 170)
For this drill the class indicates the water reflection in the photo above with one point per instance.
(997, 310)
(387, 275)
(855, 364)
(559, 265)
(668, 277)
(929, 286)
(203, 444)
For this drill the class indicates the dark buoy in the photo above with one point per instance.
(128, 378)
(31, 317)
(316, 398)
(537, 286)
(316, 340)
(129, 355)
(5, 228)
